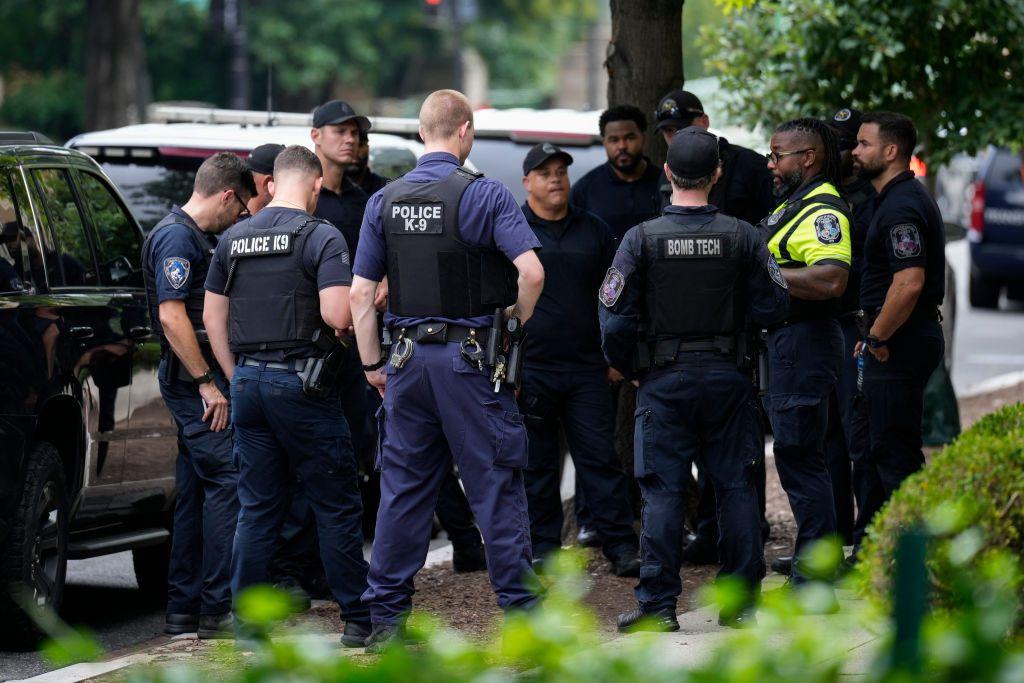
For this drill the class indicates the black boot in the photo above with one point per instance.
(588, 538)
(355, 634)
(639, 620)
(783, 565)
(216, 626)
(176, 624)
(472, 559)
(627, 564)
(381, 637)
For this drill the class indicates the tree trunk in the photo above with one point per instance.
(645, 57)
(115, 67)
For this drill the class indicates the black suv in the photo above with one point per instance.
(87, 447)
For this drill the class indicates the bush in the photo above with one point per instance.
(976, 482)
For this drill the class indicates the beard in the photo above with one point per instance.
(788, 185)
(868, 171)
(630, 165)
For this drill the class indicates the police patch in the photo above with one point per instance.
(906, 240)
(776, 217)
(611, 288)
(668, 105)
(775, 273)
(842, 115)
(826, 227)
(426, 218)
(176, 270)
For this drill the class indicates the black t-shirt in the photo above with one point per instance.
(345, 210)
(861, 196)
(564, 333)
(619, 203)
(906, 231)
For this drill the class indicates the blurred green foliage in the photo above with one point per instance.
(971, 497)
(953, 66)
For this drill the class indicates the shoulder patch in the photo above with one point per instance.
(906, 240)
(176, 270)
(776, 216)
(827, 228)
(774, 272)
(612, 286)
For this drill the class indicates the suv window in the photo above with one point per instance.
(12, 238)
(73, 266)
(117, 242)
(1005, 169)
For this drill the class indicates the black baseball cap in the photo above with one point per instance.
(678, 108)
(338, 111)
(692, 153)
(846, 121)
(540, 153)
(261, 159)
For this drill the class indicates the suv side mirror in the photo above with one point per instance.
(954, 232)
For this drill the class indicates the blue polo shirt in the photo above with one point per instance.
(176, 253)
(488, 217)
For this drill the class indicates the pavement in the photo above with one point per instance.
(101, 592)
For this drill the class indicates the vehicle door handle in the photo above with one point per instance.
(82, 332)
(140, 332)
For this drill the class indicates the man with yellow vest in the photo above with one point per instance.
(809, 236)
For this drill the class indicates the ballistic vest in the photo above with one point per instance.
(273, 303)
(196, 272)
(432, 272)
(693, 278)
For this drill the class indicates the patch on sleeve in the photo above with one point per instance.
(611, 288)
(775, 273)
(176, 270)
(827, 228)
(906, 240)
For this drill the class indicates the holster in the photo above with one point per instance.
(320, 375)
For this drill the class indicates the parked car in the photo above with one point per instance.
(87, 448)
(996, 229)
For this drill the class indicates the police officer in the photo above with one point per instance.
(846, 438)
(261, 164)
(359, 171)
(277, 282)
(745, 192)
(690, 278)
(450, 243)
(809, 235)
(901, 290)
(175, 259)
(565, 381)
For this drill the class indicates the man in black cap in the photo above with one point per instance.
(261, 165)
(690, 280)
(846, 441)
(565, 377)
(360, 171)
(744, 191)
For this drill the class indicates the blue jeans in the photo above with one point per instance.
(279, 430)
(206, 480)
(700, 409)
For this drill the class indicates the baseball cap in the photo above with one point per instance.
(846, 121)
(261, 159)
(692, 153)
(540, 153)
(678, 108)
(338, 111)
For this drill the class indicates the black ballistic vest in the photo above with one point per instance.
(273, 303)
(432, 272)
(693, 278)
(197, 278)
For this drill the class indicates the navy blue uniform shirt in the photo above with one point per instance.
(861, 195)
(177, 251)
(488, 216)
(325, 259)
(765, 294)
(619, 203)
(906, 231)
(564, 333)
(344, 211)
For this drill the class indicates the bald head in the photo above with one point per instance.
(442, 115)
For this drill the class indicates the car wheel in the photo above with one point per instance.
(151, 565)
(35, 556)
(984, 293)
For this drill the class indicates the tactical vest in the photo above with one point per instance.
(785, 220)
(432, 272)
(197, 278)
(273, 303)
(693, 278)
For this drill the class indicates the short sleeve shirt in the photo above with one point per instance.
(488, 217)
(619, 203)
(815, 236)
(176, 252)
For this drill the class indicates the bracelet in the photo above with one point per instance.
(874, 342)
(375, 366)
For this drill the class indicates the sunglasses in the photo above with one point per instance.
(674, 112)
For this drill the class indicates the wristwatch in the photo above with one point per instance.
(873, 342)
(204, 378)
(376, 366)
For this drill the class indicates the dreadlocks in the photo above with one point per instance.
(832, 167)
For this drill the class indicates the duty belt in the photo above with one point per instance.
(666, 351)
(293, 365)
(442, 333)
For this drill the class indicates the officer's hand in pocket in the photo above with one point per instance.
(614, 376)
(217, 407)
